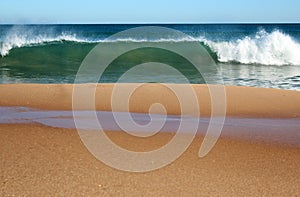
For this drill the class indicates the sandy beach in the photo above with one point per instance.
(37, 160)
(240, 101)
(149, 98)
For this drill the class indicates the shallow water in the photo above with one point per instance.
(278, 131)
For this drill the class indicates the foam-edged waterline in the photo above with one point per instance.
(284, 131)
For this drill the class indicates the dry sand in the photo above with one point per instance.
(38, 160)
(240, 101)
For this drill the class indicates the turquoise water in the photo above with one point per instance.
(259, 55)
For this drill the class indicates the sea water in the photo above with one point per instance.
(258, 55)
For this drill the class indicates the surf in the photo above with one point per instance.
(263, 48)
(275, 48)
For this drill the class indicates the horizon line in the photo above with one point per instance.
(149, 23)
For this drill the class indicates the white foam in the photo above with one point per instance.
(17, 38)
(275, 48)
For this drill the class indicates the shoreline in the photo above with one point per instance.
(277, 131)
(42, 160)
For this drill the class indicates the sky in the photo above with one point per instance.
(149, 11)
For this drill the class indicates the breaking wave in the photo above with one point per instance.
(274, 48)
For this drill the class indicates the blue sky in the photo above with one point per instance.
(148, 11)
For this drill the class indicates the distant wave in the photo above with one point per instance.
(275, 48)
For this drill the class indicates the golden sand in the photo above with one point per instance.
(38, 161)
(240, 101)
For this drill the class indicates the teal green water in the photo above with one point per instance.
(260, 55)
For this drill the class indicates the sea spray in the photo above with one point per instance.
(24, 36)
(275, 48)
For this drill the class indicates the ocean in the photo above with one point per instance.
(257, 55)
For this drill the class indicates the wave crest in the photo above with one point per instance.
(275, 48)
(19, 37)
